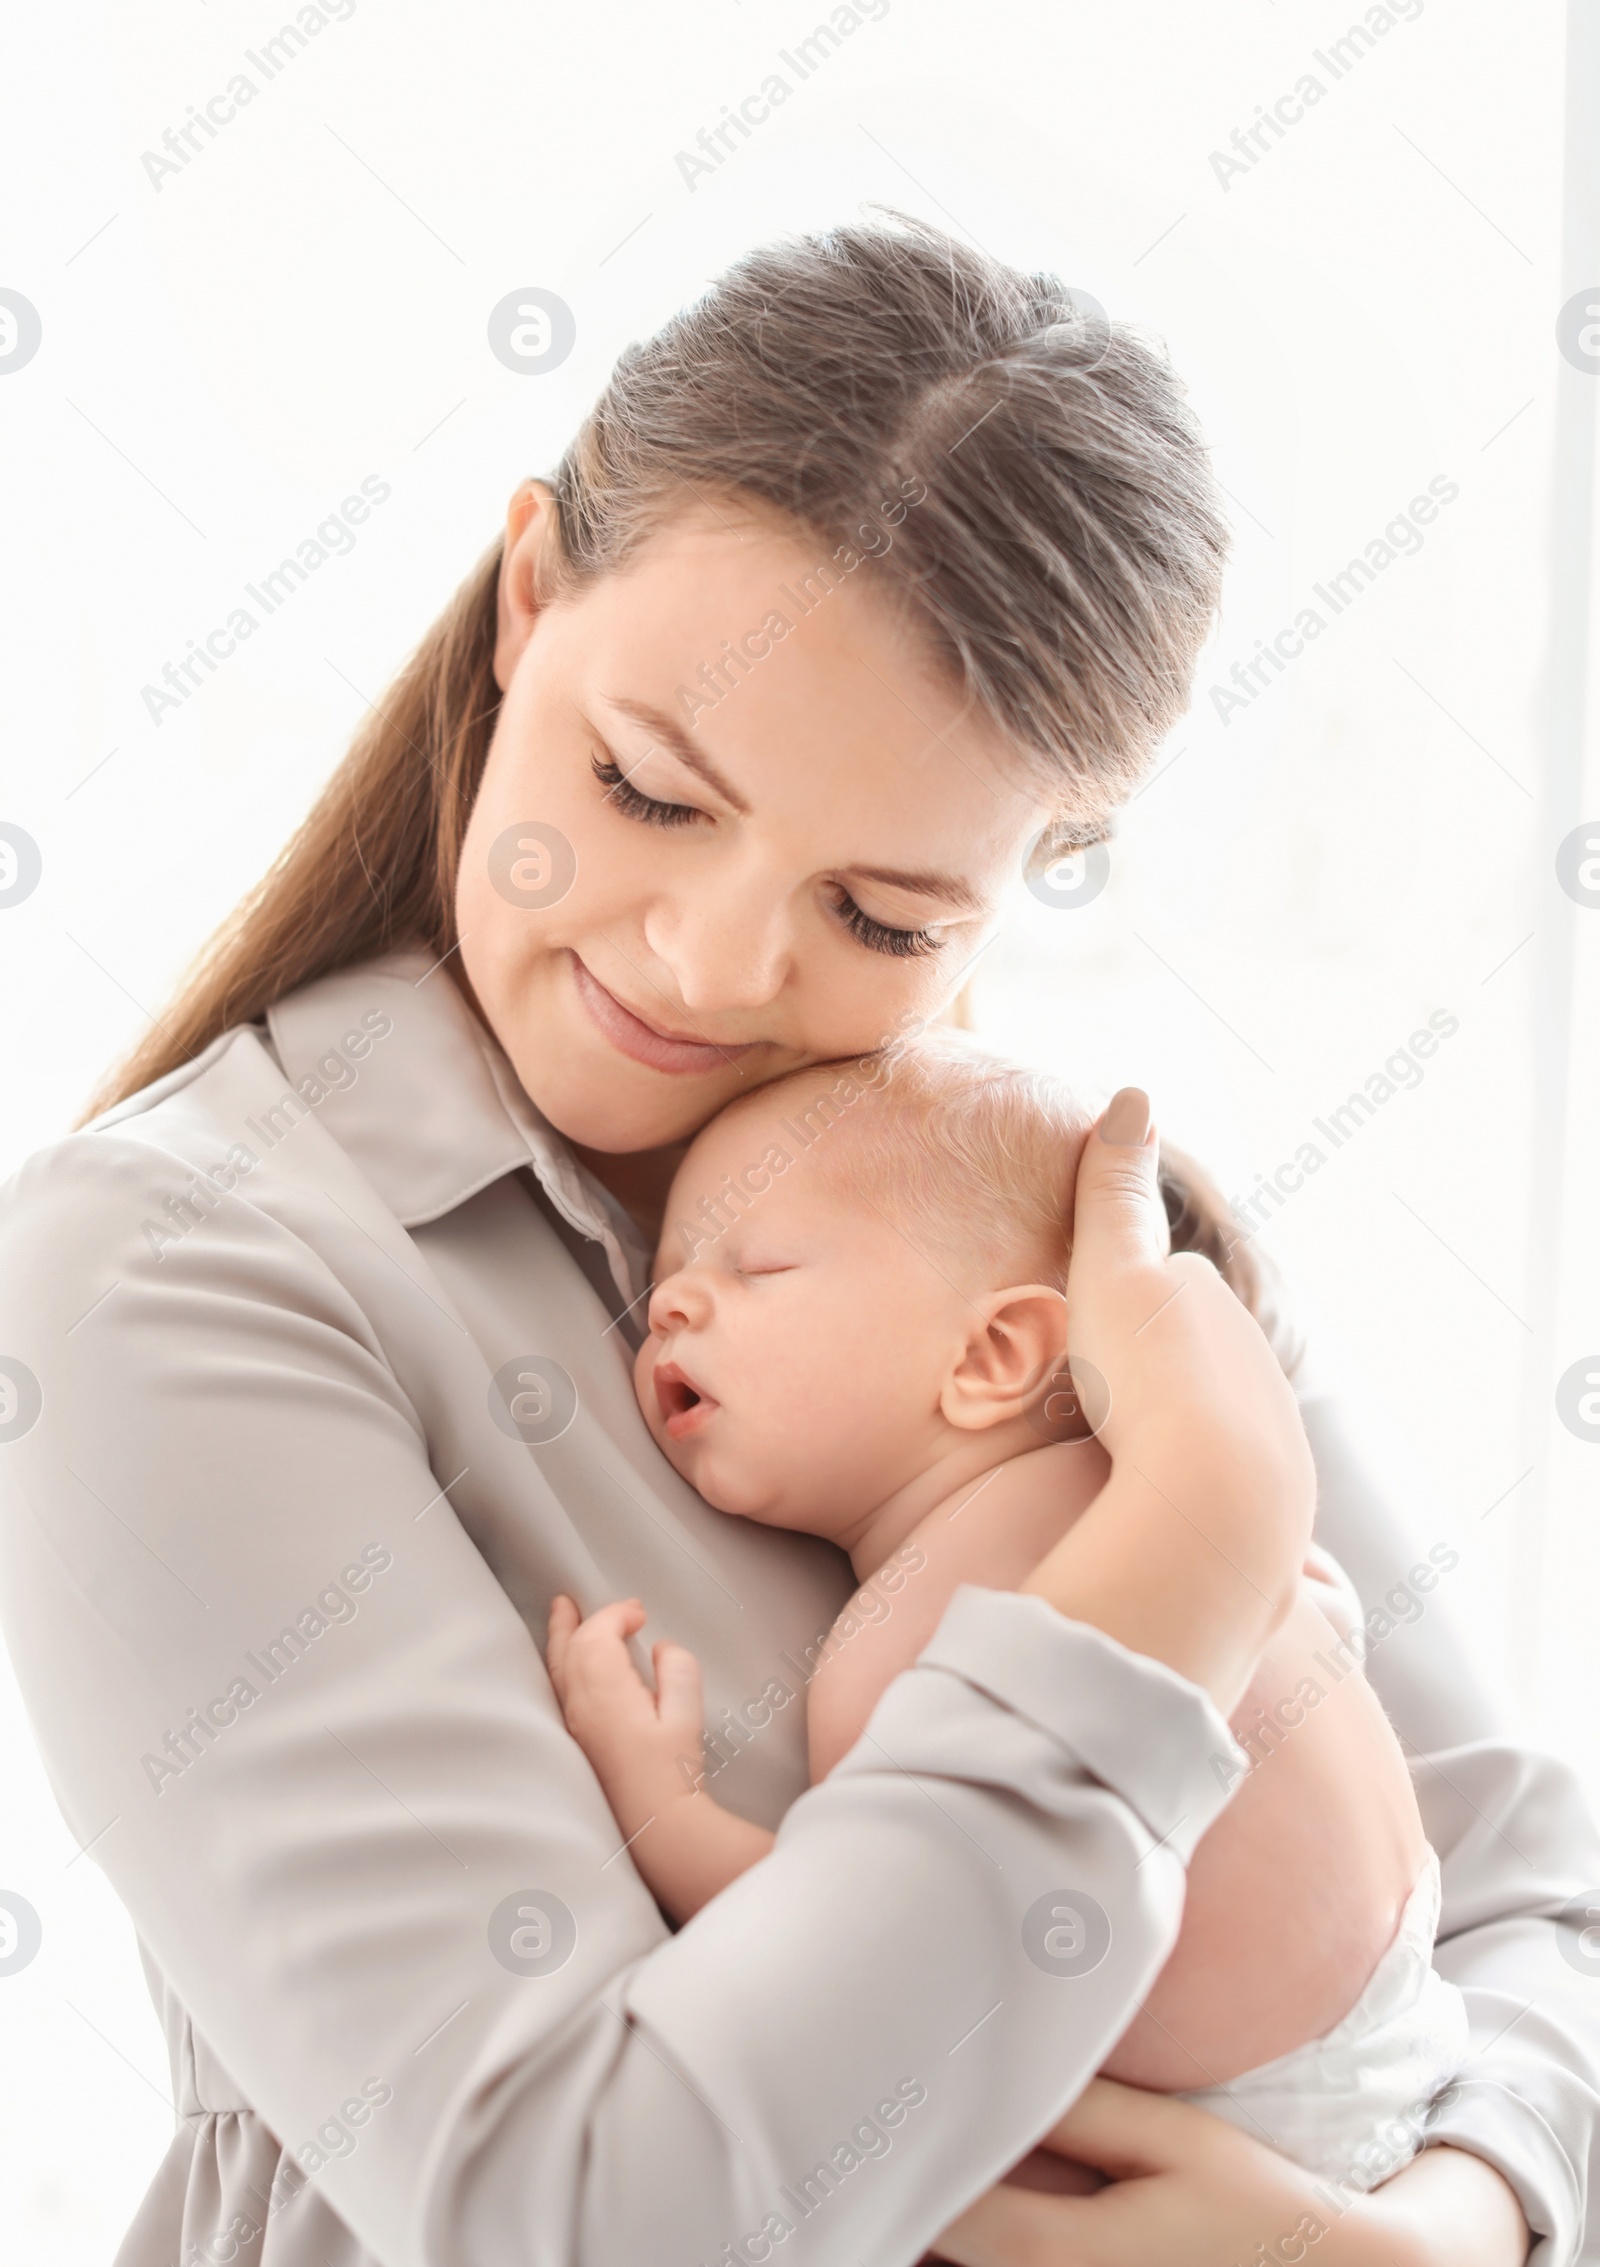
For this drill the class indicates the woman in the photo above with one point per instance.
(879, 569)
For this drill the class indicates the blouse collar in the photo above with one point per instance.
(434, 1111)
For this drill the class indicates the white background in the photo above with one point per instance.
(1373, 303)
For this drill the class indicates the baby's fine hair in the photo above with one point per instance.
(975, 1159)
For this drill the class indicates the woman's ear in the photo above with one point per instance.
(1017, 1339)
(530, 525)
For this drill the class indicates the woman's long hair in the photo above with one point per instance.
(1061, 561)
(374, 864)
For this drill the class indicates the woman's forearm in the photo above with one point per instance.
(395, 1865)
(1226, 1578)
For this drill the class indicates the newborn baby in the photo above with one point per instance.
(858, 1330)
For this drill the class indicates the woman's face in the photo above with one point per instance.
(680, 879)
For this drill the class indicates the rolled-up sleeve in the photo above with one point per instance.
(290, 1710)
(1520, 1859)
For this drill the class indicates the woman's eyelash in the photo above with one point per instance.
(633, 803)
(878, 936)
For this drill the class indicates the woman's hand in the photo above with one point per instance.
(1193, 1551)
(1188, 2190)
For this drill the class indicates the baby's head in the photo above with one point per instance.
(858, 1265)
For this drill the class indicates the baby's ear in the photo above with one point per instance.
(1018, 1338)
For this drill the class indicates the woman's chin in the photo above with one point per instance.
(617, 1108)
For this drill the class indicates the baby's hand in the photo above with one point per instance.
(644, 1745)
(646, 1750)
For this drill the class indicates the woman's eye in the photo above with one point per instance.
(878, 936)
(651, 810)
(633, 803)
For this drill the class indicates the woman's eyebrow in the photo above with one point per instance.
(674, 738)
(946, 887)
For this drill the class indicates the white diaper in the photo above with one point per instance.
(1351, 2106)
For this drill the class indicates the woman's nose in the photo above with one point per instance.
(727, 948)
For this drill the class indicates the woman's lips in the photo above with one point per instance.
(631, 1035)
(684, 1408)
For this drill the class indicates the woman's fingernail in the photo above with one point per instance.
(1127, 1121)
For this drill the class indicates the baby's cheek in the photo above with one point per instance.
(644, 1370)
(644, 1389)
(742, 1463)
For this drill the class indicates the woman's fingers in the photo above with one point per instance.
(1120, 1274)
(1192, 1551)
(1187, 2190)
(1010, 2226)
(1123, 2130)
(1119, 1218)
(1054, 2175)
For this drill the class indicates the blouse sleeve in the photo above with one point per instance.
(313, 1746)
(1520, 1859)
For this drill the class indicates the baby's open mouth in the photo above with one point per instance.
(683, 1406)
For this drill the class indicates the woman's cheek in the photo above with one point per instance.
(857, 1001)
(535, 884)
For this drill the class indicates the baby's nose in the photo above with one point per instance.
(671, 1304)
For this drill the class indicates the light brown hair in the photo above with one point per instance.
(976, 1158)
(1063, 564)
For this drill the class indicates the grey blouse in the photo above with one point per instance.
(324, 1390)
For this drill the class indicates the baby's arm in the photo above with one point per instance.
(892, 1616)
(645, 1749)
(992, 1533)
